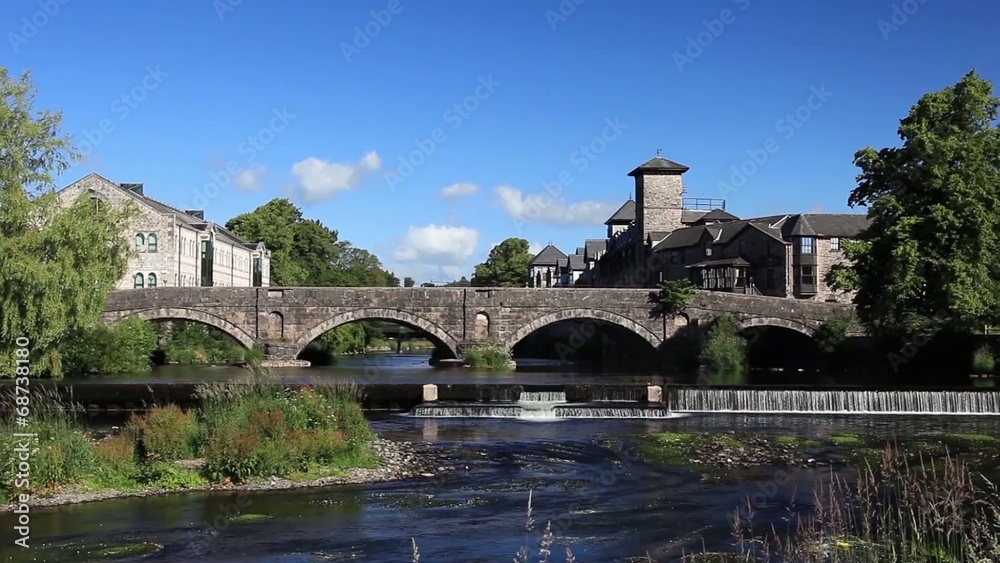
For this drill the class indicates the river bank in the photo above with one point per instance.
(398, 460)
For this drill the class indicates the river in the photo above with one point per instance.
(605, 504)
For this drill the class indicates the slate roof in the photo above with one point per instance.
(549, 256)
(579, 250)
(592, 246)
(184, 217)
(659, 165)
(690, 216)
(624, 215)
(656, 236)
(717, 215)
(826, 224)
(574, 262)
(779, 227)
(721, 262)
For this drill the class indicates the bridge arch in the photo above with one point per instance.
(583, 314)
(797, 326)
(185, 314)
(379, 314)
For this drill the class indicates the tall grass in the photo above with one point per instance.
(264, 429)
(60, 451)
(934, 512)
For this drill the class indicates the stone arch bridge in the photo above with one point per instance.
(286, 319)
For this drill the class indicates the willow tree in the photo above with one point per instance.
(57, 262)
(929, 259)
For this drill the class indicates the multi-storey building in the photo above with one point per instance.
(175, 248)
(662, 235)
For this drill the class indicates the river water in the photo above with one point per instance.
(604, 503)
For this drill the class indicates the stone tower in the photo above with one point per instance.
(659, 194)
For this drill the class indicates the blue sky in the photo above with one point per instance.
(225, 105)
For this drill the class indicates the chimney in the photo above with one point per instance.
(199, 213)
(134, 188)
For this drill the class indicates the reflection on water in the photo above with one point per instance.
(384, 368)
(603, 503)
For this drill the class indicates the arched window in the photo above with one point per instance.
(151, 280)
(152, 242)
(138, 281)
(140, 242)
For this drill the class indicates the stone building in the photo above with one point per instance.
(662, 235)
(174, 247)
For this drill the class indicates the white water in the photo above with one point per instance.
(855, 402)
(540, 405)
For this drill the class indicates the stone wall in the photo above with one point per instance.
(288, 319)
(658, 203)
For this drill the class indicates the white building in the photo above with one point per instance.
(176, 248)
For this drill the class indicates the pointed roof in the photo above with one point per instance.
(624, 215)
(716, 215)
(549, 256)
(659, 165)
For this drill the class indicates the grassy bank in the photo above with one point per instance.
(241, 434)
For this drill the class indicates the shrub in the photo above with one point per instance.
(261, 430)
(165, 433)
(724, 351)
(124, 347)
(493, 356)
(983, 362)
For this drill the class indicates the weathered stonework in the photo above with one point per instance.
(285, 320)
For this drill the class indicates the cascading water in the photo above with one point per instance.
(837, 401)
(541, 405)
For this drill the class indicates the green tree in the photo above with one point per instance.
(672, 297)
(57, 263)
(929, 260)
(124, 347)
(408, 282)
(274, 223)
(724, 353)
(506, 266)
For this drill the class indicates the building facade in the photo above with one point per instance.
(662, 235)
(175, 248)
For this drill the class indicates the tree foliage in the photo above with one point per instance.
(673, 297)
(57, 264)
(506, 266)
(929, 259)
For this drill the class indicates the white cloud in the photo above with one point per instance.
(319, 179)
(542, 208)
(536, 247)
(437, 245)
(250, 179)
(458, 190)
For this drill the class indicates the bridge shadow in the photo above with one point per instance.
(587, 345)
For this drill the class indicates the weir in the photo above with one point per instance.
(543, 405)
(835, 401)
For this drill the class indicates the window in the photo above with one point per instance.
(808, 277)
(151, 280)
(137, 281)
(140, 242)
(207, 264)
(806, 245)
(151, 241)
(835, 243)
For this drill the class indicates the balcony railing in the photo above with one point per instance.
(703, 203)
